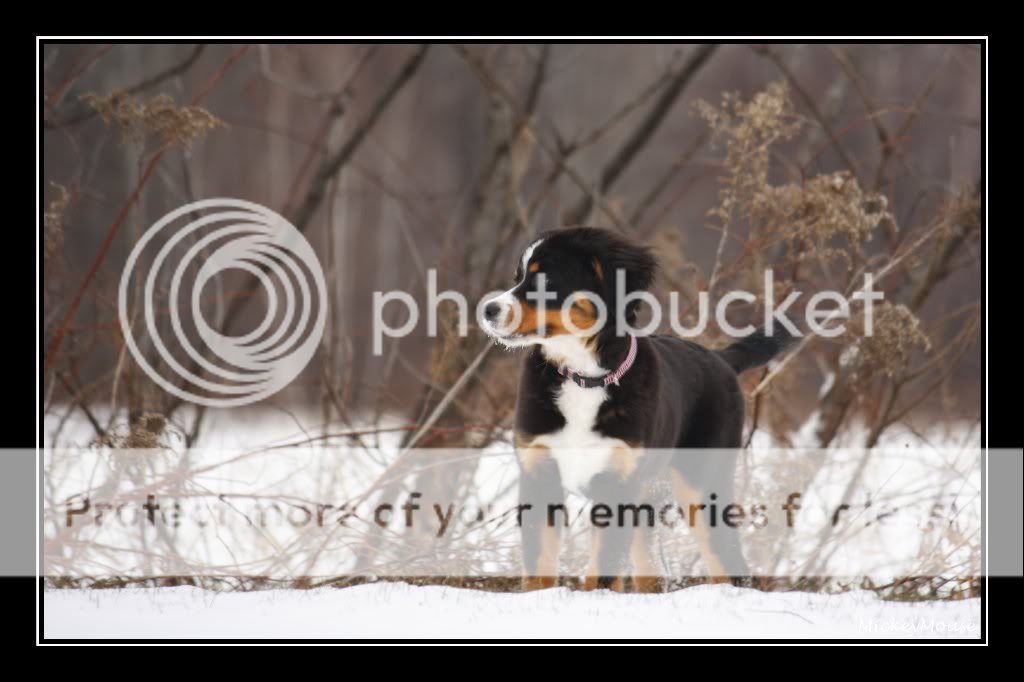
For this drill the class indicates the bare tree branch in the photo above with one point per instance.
(85, 113)
(632, 146)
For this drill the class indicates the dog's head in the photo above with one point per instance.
(574, 272)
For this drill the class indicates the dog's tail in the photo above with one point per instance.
(757, 349)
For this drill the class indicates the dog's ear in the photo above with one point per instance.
(638, 265)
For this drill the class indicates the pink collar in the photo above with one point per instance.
(610, 378)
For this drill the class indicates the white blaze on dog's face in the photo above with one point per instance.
(564, 292)
(548, 279)
(500, 312)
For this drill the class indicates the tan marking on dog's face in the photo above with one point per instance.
(534, 267)
(586, 316)
(582, 314)
(598, 269)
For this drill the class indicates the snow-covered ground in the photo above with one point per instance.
(397, 610)
(262, 499)
(909, 472)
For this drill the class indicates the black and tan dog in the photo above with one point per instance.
(608, 415)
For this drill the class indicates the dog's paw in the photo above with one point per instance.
(538, 582)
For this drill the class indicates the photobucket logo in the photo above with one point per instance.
(502, 314)
(223, 235)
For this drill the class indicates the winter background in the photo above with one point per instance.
(818, 162)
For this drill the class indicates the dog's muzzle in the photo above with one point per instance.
(496, 314)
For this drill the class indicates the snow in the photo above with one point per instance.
(398, 610)
(910, 470)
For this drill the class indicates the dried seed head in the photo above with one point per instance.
(809, 215)
(159, 116)
(53, 220)
(896, 334)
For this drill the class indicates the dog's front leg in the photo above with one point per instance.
(541, 516)
(608, 553)
(613, 521)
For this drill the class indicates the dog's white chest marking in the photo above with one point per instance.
(580, 451)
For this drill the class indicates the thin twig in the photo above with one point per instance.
(877, 277)
(643, 133)
(177, 69)
(810, 103)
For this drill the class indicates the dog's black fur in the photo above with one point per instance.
(678, 395)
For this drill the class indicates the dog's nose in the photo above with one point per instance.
(491, 311)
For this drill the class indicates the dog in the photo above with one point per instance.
(610, 416)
